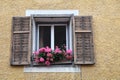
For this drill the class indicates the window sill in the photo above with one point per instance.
(53, 68)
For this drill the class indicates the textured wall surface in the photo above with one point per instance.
(106, 27)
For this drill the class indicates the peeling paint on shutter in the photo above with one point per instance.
(21, 41)
(83, 40)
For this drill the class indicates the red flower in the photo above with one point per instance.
(37, 60)
(57, 50)
(51, 59)
(42, 50)
(69, 57)
(49, 55)
(47, 63)
(42, 59)
(36, 52)
(48, 50)
(69, 52)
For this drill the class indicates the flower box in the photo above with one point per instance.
(46, 56)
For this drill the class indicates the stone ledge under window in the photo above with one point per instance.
(53, 68)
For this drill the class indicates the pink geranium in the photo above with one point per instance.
(69, 57)
(37, 60)
(49, 55)
(42, 50)
(69, 52)
(51, 59)
(57, 50)
(48, 50)
(36, 52)
(42, 59)
(47, 63)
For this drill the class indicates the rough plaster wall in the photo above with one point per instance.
(106, 27)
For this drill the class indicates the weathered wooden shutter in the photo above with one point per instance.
(83, 40)
(21, 41)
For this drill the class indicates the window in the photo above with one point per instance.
(49, 35)
(28, 34)
(52, 27)
(52, 31)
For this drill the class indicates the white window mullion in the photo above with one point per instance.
(52, 37)
(67, 38)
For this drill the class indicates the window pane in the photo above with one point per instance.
(60, 35)
(44, 35)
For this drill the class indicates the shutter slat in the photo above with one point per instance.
(21, 40)
(83, 40)
(21, 31)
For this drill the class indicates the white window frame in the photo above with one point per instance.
(60, 68)
(36, 35)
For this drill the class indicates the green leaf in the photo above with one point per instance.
(41, 55)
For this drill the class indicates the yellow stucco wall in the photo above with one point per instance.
(106, 27)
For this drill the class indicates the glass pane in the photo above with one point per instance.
(60, 36)
(44, 36)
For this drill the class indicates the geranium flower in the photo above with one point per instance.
(51, 59)
(48, 50)
(37, 60)
(69, 52)
(47, 63)
(36, 52)
(49, 55)
(42, 59)
(57, 50)
(69, 57)
(42, 50)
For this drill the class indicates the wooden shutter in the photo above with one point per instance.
(21, 41)
(83, 40)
